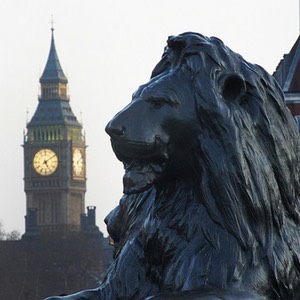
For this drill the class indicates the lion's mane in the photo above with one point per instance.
(249, 166)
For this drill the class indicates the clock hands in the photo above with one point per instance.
(77, 161)
(45, 162)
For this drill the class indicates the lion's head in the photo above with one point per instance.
(211, 121)
(156, 131)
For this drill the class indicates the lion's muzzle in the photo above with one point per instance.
(144, 162)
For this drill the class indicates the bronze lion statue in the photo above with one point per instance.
(211, 186)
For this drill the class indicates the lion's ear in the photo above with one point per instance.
(233, 87)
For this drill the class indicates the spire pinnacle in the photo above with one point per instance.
(52, 29)
(52, 24)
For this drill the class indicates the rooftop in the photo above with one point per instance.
(288, 70)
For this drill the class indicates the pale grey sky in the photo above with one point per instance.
(107, 49)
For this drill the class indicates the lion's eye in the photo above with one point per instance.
(159, 102)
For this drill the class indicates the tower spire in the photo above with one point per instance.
(53, 71)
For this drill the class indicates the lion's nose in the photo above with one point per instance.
(114, 131)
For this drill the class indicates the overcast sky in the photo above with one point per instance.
(107, 48)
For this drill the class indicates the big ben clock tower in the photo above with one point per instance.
(54, 156)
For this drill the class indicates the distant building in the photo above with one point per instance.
(288, 76)
(54, 157)
(62, 250)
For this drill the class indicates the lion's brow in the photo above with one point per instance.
(151, 93)
(167, 98)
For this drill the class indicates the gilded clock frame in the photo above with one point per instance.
(45, 161)
(78, 163)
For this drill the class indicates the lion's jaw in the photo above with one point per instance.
(144, 163)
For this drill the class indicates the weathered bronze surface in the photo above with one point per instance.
(211, 186)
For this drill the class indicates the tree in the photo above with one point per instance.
(9, 236)
(13, 235)
(2, 232)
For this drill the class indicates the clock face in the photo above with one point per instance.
(45, 162)
(78, 162)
